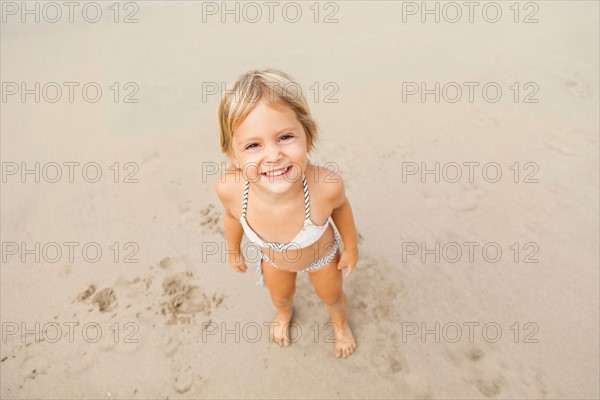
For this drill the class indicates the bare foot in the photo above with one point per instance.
(345, 343)
(280, 329)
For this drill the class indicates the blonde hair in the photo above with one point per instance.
(242, 96)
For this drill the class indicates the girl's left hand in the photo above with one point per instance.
(348, 261)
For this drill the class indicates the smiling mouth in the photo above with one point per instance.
(277, 173)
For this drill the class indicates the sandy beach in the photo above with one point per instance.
(470, 154)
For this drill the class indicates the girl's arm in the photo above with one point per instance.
(344, 220)
(233, 231)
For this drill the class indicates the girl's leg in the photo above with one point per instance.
(327, 282)
(282, 286)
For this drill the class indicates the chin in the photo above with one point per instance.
(277, 187)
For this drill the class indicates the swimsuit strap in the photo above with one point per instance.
(245, 202)
(306, 198)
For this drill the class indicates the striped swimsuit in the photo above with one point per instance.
(308, 235)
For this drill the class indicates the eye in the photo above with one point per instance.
(286, 135)
(251, 146)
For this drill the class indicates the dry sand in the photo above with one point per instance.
(151, 313)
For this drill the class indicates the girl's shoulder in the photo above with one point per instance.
(326, 182)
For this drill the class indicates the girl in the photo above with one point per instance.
(291, 209)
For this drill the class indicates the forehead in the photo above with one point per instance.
(265, 120)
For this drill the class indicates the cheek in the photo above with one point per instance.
(250, 170)
(298, 147)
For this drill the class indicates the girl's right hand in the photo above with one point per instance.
(238, 265)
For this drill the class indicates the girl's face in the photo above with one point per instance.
(270, 139)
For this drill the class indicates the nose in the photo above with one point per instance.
(273, 153)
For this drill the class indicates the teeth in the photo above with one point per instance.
(280, 172)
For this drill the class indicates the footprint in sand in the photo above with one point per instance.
(182, 299)
(210, 220)
(170, 345)
(167, 263)
(66, 269)
(491, 387)
(183, 380)
(217, 300)
(178, 283)
(471, 354)
(474, 354)
(190, 302)
(374, 304)
(138, 286)
(83, 296)
(375, 300)
(389, 361)
(480, 370)
(184, 211)
(493, 375)
(185, 298)
(104, 299)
